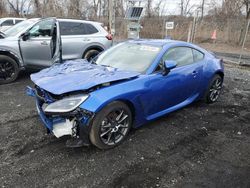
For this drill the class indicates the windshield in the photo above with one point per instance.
(129, 56)
(13, 31)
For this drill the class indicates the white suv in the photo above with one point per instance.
(6, 23)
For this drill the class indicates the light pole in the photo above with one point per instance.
(244, 41)
(112, 16)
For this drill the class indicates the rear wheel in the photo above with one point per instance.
(91, 54)
(8, 69)
(214, 89)
(111, 125)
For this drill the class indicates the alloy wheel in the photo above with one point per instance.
(7, 70)
(114, 127)
(215, 89)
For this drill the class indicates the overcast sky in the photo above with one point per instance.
(172, 7)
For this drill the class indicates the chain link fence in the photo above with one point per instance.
(230, 31)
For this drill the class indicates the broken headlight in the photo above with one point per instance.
(66, 105)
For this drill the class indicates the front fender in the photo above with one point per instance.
(129, 91)
(14, 52)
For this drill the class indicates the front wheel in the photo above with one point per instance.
(8, 70)
(111, 125)
(214, 89)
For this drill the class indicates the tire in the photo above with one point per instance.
(8, 69)
(214, 89)
(108, 129)
(89, 55)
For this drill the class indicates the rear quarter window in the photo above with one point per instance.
(18, 21)
(90, 29)
(76, 28)
(198, 56)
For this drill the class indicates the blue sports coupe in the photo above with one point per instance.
(128, 85)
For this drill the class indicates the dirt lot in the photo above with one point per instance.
(198, 146)
(226, 48)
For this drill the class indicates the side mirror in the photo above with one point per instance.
(25, 36)
(168, 65)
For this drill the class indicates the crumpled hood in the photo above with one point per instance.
(74, 75)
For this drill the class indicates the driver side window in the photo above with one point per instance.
(182, 56)
(41, 29)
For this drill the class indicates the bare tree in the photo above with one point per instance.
(14, 5)
(159, 6)
(202, 8)
(37, 8)
(96, 4)
(18, 7)
(2, 8)
(119, 8)
(185, 7)
(149, 7)
(74, 10)
(232, 8)
(247, 5)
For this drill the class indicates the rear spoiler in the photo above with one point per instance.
(212, 53)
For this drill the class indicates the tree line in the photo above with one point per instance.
(93, 9)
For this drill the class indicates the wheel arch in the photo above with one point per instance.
(220, 73)
(93, 47)
(13, 56)
(100, 105)
(130, 105)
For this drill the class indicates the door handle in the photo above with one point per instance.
(194, 72)
(44, 43)
(86, 39)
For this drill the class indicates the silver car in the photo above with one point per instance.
(6, 23)
(32, 44)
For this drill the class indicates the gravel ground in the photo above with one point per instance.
(198, 146)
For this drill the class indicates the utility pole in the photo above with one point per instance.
(112, 16)
(192, 28)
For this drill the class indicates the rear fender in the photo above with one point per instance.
(211, 68)
(91, 46)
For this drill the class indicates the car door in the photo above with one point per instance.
(39, 44)
(178, 87)
(76, 36)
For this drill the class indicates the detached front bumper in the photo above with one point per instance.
(76, 123)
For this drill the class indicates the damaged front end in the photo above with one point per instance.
(62, 115)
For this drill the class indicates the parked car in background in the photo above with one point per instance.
(31, 44)
(127, 86)
(6, 23)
